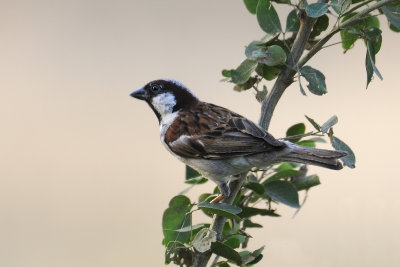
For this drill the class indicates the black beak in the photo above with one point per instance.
(140, 94)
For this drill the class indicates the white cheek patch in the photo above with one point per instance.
(164, 103)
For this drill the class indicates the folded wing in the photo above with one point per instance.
(218, 133)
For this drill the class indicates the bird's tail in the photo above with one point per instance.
(314, 156)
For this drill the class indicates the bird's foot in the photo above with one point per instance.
(225, 192)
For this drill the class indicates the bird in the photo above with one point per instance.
(217, 142)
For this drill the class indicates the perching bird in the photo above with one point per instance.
(217, 142)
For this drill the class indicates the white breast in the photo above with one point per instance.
(166, 121)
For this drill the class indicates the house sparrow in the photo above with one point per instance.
(217, 142)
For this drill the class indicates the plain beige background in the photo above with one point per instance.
(84, 179)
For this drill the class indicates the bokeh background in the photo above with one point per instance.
(84, 178)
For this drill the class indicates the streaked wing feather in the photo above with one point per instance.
(232, 135)
(248, 127)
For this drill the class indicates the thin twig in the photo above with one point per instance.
(357, 7)
(285, 78)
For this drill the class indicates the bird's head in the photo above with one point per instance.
(166, 96)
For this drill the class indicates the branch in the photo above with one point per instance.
(357, 7)
(285, 78)
(201, 259)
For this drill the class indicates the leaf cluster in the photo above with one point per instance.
(266, 58)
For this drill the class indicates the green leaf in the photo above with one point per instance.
(283, 192)
(368, 66)
(392, 13)
(350, 159)
(320, 25)
(267, 17)
(274, 55)
(233, 242)
(227, 73)
(229, 228)
(222, 264)
(249, 224)
(179, 201)
(316, 80)
(174, 218)
(251, 5)
(196, 180)
(267, 72)
(302, 89)
(313, 123)
(281, 1)
(203, 197)
(372, 34)
(306, 182)
(223, 209)
(206, 197)
(284, 166)
(245, 86)
(193, 177)
(256, 253)
(256, 187)
(190, 228)
(250, 258)
(225, 251)
(316, 10)
(296, 129)
(308, 143)
(292, 22)
(370, 63)
(252, 47)
(191, 173)
(256, 260)
(377, 44)
(352, 33)
(243, 72)
(329, 123)
(282, 174)
(271, 55)
(393, 28)
(340, 6)
(248, 212)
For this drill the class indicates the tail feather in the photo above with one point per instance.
(315, 156)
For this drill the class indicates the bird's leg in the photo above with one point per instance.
(225, 192)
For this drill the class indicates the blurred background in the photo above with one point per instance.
(84, 179)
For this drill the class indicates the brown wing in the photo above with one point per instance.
(213, 132)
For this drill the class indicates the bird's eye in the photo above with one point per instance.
(155, 88)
